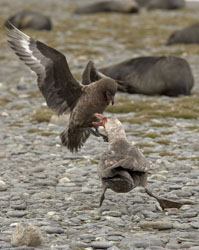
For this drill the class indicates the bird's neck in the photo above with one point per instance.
(119, 138)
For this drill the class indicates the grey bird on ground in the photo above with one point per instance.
(61, 91)
(123, 167)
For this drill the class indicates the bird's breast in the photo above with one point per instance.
(85, 109)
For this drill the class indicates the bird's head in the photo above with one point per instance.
(109, 87)
(111, 125)
(110, 97)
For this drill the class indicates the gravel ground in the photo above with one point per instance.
(44, 185)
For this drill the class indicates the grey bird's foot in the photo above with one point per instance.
(166, 203)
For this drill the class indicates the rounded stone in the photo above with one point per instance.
(112, 213)
(187, 244)
(101, 244)
(161, 225)
(27, 235)
(113, 248)
(195, 224)
(21, 206)
(54, 230)
(17, 214)
(3, 186)
(79, 245)
(64, 180)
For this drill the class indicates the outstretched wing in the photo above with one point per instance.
(60, 90)
(90, 74)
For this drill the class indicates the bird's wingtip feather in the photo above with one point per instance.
(9, 26)
(14, 33)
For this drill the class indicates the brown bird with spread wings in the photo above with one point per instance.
(61, 91)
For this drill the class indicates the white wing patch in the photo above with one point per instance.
(50, 66)
(25, 44)
(21, 43)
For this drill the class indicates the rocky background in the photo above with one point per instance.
(57, 193)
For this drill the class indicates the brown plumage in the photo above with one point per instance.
(123, 167)
(59, 88)
(91, 74)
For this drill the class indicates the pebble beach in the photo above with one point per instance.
(43, 185)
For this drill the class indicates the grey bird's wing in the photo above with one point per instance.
(58, 86)
(133, 162)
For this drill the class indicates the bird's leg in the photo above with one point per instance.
(96, 124)
(166, 203)
(96, 133)
(103, 195)
(148, 191)
(99, 116)
(105, 137)
(101, 120)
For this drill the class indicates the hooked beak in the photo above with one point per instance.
(112, 100)
(109, 97)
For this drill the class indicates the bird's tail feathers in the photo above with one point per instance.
(74, 139)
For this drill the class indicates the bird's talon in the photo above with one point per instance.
(98, 116)
(97, 124)
(105, 138)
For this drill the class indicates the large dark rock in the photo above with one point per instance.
(30, 19)
(124, 6)
(161, 4)
(166, 75)
(189, 34)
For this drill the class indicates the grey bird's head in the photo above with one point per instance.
(112, 126)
